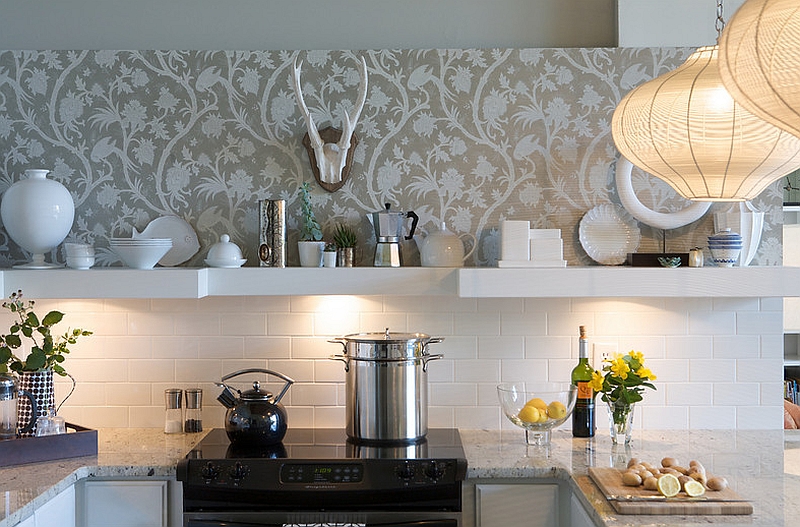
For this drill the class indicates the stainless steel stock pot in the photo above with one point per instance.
(386, 385)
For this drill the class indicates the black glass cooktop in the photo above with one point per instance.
(330, 444)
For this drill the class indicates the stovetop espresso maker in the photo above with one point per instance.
(389, 230)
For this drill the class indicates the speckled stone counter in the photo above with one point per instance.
(122, 452)
(753, 461)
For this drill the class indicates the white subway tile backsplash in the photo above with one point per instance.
(718, 361)
(500, 348)
(528, 370)
(523, 324)
(551, 348)
(244, 324)
(689, 347)
(737, 347)
(714, 370)
(481, 324)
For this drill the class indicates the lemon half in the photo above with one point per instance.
(668, 485)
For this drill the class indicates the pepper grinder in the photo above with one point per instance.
(194, 411)
(173, 423)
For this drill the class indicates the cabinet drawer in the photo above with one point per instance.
(531, 505)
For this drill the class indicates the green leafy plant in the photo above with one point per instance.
(310, 229)
(344, 236)
(46, 352)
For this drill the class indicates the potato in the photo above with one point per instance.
(696, 466)
(669, 462)
(631, 479)
(644, 474)
(679, 468)
(683, 479)
(697, 476)
(651, 483)
(717, 483)
(632, 462)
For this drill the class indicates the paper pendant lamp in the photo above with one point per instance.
(760, 60)
(686, 129)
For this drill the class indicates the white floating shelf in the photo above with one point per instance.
(570, 282)
(630, 282)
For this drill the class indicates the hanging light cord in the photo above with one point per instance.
(719, 24)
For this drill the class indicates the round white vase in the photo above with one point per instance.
(37, 213)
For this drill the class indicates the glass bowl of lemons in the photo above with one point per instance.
(537, 407)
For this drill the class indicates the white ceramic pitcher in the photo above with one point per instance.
(442, 248)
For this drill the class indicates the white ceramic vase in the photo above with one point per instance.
(37, 213)
(310, 253)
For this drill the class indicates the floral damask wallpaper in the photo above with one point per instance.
(467, 136)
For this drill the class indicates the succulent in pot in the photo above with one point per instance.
(310, 245)
(346, 240)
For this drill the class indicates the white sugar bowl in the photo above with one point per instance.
(225, 254)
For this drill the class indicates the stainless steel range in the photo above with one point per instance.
(318, 476)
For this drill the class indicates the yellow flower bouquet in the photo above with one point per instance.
(621, 383)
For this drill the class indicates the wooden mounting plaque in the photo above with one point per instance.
(610, 482)
(81, 442)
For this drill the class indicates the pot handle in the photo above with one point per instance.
(343, 358)
(341, 341)
(289, 380)
(428, 358)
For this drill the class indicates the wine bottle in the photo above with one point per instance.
(583, 416)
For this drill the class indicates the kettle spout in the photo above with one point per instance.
(227, 397)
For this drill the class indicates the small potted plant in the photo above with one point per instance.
(329, 255)
(310, 245)
(345, 239)
(45, 353)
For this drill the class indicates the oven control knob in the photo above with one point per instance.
(434, 470)
(405, 471)
(209, 471)
(239, 471)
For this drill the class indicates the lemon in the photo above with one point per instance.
(668, 485)
(694, 488)
(556, 410)
(537, 403)
(529, 414)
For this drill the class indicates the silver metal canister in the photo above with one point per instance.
(386, 385)
(272, 235)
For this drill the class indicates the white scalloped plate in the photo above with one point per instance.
(184, 239)
(608, 233)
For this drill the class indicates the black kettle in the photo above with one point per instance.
(255, 417)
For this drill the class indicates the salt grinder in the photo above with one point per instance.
(173, 423)
(194, 410)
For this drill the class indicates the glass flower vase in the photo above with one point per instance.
(620, 420)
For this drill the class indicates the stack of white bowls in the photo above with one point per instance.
(79, 255)
(141, 253)
(725, 247)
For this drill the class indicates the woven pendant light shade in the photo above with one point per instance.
(760, 60)
(685, 128)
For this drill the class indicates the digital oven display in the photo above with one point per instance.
(313, 473)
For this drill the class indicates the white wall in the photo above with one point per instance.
(718, 361)
(305, 24)
(659, 23)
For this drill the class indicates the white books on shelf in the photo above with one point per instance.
(514, 237)
(522, 246)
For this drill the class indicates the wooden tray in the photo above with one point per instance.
(82, 442)
(610, 482)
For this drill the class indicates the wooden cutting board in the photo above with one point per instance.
(610, 482)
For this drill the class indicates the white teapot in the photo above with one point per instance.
(443, 248)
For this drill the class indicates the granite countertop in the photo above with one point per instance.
(753, 462)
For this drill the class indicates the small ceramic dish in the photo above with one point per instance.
(670, 262)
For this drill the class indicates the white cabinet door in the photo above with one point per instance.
(528, 505)
(578, 515)
(58, 512)
(124, 503)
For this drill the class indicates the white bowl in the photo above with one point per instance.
(78, 249)
(224, 253)
(142, 256)
(80, 262)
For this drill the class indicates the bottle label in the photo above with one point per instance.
(585, 390)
